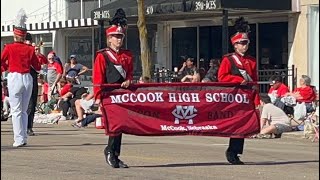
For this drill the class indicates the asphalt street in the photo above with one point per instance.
(63, 152)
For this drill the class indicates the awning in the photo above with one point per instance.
(162, 7)
(54, 25)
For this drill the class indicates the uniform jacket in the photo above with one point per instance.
(19, 57)
(123, 57)
(225, 73)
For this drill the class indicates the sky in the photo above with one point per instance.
(10, 8)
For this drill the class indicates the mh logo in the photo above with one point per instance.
(184, 113)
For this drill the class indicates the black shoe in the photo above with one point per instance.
(121, 163)
(277, 135)
(233, 158)
(111, 159)
(30, 132)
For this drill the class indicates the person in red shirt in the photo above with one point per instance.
(113, 65)
(277, 89)
(19, 57)
(65, 96)
(238, 67)
(305, 93)
(54, 74)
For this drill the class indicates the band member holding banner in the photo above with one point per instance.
(238, 67)
(19, 57)
(113, 65)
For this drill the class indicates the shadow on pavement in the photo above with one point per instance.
(225, 163)
(35, 146)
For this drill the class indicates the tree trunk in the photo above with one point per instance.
(144, 46)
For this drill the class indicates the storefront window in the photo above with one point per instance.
(273, 45)
(184, 42)
(313, 39)
(81, 46)
(210, 44)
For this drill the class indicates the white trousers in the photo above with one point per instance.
(20, 89)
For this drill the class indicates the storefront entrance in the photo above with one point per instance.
(204, 43)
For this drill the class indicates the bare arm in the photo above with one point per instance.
(83, 70)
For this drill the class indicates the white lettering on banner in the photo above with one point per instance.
(205, 5)
(173, 128)
(184, 97)
(187, 128)
(179, 98)
(225, 97)
(140, 97)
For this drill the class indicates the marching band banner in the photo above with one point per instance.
(210, 109)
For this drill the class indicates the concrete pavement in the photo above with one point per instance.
(63, 152)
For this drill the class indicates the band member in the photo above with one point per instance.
(238, 67)
(113, 65)
(19, 57)
(34, 96)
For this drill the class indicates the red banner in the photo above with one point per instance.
(212, 109)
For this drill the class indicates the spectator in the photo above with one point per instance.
(305, 93)
(188, 71)
(212, 74)
(44, 88)
(273, 119)
(54, 74)
(277, 89)
(55, 57)
(73, 69)
(83, 105)
(65, 96)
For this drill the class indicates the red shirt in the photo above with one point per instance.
(307, 93)
(66, 88)
(45, 88)
(280, 92)
(123, 57)
(19, 57)
(42, 58)
(248, 64)
(55, 66)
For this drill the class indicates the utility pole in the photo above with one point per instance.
(49, 10)
(81, 9)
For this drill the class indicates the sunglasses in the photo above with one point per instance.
(118, 36)
(245, 42)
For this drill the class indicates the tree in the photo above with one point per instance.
(144, 46)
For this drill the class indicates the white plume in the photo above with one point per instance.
(21, 19)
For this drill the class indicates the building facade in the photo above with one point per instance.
(279, 39)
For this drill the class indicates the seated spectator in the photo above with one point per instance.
(83, 106)
(44, 88)
(188, 71)
(305, 93)
(64, 97)
(72, 69)
(77, 93)
(212, 73)
(273, 119)
(277, 89)
(144, 79)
